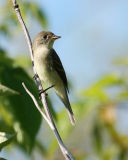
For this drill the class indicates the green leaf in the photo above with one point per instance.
(98, 90)
(121, 61)
(2, 158)
(23, 61)
(5, 139)
(5, 91)
(22, 112)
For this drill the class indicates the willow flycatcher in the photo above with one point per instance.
(50, 69)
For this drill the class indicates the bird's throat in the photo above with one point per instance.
(41, 52)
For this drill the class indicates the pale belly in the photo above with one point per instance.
(50, 77)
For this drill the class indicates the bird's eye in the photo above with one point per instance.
(45, 36)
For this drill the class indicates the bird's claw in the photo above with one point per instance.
(44, 91)
(35, 76)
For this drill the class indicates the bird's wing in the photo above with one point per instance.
(59, 68)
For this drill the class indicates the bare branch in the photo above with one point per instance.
(37, 106)
(48, 116)
(45, 117)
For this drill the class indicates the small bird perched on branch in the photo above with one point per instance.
(50, 69)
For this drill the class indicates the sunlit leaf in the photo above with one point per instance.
(98, 90)
(123, 95)
(121, 61)
(5, 139)
(23, 61)
(5, 91)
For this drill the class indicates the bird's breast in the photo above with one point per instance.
(44, 67)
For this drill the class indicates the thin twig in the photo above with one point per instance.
(66, 153)
(37, 105)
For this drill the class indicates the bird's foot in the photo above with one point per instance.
(44, 91)
(35, 76)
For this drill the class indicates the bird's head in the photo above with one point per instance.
(44, 38)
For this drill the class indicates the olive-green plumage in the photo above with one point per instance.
(50, 69)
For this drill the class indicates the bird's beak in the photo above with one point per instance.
(56, 37)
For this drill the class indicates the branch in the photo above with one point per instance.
(48, 116)
(37, 105)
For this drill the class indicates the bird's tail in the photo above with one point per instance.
(66, 102)
(69, 111)
(71, 116)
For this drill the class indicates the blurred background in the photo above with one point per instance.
(93, 50)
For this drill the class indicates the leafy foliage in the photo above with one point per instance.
(24, 117)
(17, 111)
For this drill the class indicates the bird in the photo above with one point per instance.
(50, 69)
